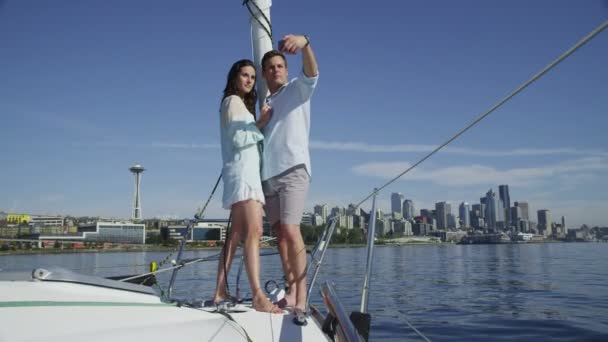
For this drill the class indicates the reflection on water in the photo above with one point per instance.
(449, 292)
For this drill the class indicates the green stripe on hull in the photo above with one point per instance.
(21, 304)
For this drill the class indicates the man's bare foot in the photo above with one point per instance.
(288, 301)
(261, 303)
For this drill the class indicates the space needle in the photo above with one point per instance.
(137, 170)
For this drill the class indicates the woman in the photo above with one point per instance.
(243, 194)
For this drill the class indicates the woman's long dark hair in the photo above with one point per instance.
(231, 88)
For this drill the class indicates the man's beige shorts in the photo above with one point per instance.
(286, 195)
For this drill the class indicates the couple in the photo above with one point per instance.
(276, 176)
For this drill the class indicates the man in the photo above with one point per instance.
(286, 159)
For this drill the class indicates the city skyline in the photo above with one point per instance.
(89, 90)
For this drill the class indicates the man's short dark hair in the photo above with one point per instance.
(272, 53)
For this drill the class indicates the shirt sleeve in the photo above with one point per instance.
(306, 85)
(239, 124)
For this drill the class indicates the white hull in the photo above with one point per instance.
(35, 310)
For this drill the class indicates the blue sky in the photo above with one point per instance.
(88, 88)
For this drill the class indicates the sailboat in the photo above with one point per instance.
(55, 304)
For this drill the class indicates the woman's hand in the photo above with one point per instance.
(265, 115)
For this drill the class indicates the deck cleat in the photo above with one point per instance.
(300, 317)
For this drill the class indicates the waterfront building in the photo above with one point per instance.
(17, 218)
(397, 202)
(544, 221)
(451, 221)
(515, 216)
(503, 191)
(45, 221)
(352, 210)
(322, 210)
(422, 229)
(318, 220)
(523, 206)
(105, 231)
(476, 216)
(427, 215)
(442, 209)
(337, 211)
(341, 221)
(523, 226)
(408, 209)
(207, 230)
(464, 214)
(360, 222)
(350, 222)
(401, 227)
(493, 217)
(307, 219)
(484, 205)
(382, 227)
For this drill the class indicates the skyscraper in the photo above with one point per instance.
(442, 209)
(408, 209)
(427, 215)
(503, 192)
(493, 210)
(464, 214)
(515, 216)
(524, 210)
(397, 202)
(544, 221)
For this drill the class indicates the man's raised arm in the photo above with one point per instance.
(291, 44)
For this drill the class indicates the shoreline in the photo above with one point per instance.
(155, 248)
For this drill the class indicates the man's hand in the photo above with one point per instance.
(265, 115)
(291, 44)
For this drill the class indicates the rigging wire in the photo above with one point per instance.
(199, 216)
(546, 69)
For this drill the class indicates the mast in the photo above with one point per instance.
(261, 40)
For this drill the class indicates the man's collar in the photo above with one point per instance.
(278, 90)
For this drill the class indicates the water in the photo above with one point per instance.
(520, 292)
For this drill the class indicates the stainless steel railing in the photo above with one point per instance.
(345, 329)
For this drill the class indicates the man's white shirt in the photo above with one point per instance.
(287, 134)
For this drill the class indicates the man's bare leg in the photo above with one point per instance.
(295, 263)
(282, 245)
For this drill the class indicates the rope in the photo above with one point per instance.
(546, 69)
(268, 26)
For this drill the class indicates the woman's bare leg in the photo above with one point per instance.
(227, 254)
(248, 214)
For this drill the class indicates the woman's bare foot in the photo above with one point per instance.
(261, 303)
(288, 301)
(222, 297)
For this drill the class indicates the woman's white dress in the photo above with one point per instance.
(240, 153)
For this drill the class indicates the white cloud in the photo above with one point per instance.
(191, 146)
(346, 146)
(480, 174)
(365, 147)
